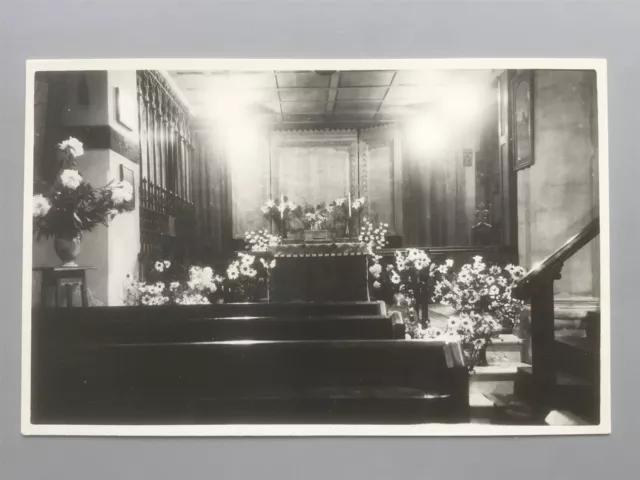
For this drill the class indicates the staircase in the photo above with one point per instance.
(551, 377)
(504, 391)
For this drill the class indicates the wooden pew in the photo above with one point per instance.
(184, 324)
(260, 309)
(346, 381)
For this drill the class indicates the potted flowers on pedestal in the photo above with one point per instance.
(71, 206)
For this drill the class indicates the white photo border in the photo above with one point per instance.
(598, 65)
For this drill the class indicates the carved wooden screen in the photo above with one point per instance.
(167, 213)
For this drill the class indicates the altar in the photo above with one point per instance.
(319, 271)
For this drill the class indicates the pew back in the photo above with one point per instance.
(353, 381)
(157, 324)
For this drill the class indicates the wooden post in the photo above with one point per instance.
(542, 341)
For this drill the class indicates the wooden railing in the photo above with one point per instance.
(537, 287)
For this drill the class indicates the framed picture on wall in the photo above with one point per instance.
(126, 113)
(522, 116)
(127, 175)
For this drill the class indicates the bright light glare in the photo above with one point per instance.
(461, 103)
(426, 135)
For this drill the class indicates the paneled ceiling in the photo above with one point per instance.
(321, 97)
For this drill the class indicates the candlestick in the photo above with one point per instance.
(281, 206)
(349, 204)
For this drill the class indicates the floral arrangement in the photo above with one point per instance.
(373, 237)
(481, 297)
(199, 289)
(401, 279)
(261, 240)
(316, 218)
(71, 205)
(280, 212)
(248, 276)
(480, 289)
(474, 332)
(347, 208)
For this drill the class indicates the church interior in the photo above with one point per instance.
(318, 246)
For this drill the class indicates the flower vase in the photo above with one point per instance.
(68, 248)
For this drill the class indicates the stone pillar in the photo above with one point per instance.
(86, 108)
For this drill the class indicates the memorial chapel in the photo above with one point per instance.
(316, 246)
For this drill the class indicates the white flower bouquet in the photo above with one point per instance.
(281, 212)
(261, 240)
(401, 280)
(480, 289)
(71, 205)
(247, 277)
(199, 289)
(474, 331)
(373, 237)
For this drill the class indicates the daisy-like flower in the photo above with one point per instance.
(247, 259)
(70, 179)
(395, 278)
(252, 272)
(477, 259)
(449, 263)
(232, 273)
(73, 146)
(41, 206)
(490, 280)
(159, 266)
(174, 286)
(494, 290)
(167, 264)
(245, 269)
(376, 284)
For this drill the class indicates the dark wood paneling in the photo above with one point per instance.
(105, 137)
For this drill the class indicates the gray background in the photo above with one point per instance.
(350, 29)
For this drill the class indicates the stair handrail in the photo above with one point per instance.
(537, 286)
(551, 265)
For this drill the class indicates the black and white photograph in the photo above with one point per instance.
(316, 247)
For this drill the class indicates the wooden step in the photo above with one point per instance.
(494, 379)
(564, 418)
(571, 393)
(482, 409)
(577, 356)
(501, 409)
(506, 349)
